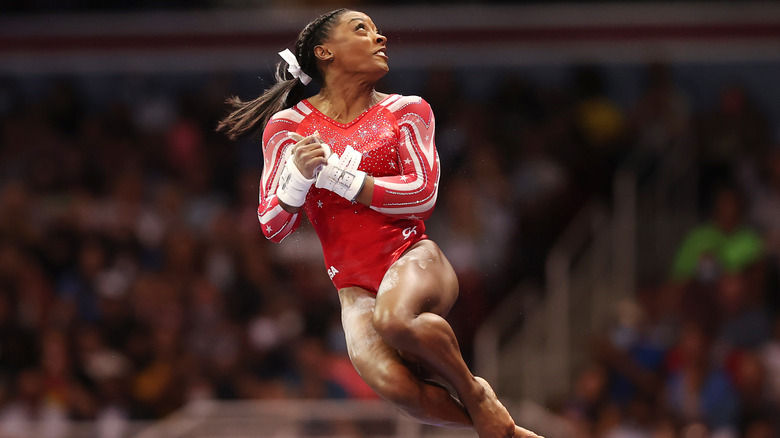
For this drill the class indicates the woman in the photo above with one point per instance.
(364, 167)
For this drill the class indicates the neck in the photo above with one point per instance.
(344, 100)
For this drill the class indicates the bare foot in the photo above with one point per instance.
(525, 433)
(490, 417)
(493, 420)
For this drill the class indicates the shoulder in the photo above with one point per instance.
(290, 115)
(284, 121)
(400, 103)
(408, 105)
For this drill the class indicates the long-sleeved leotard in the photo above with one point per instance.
(396, 139)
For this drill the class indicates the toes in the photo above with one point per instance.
(525, 433)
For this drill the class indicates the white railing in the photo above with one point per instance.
(321, 418)
(326, 418)
(578, 273)
(595, 263)
(114, 427)
(536, 362)
(488, 344)
(289, 419)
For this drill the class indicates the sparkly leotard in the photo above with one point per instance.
(360, 243)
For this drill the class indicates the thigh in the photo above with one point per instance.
(422, 280)
(374, 360)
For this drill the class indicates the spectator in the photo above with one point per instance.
(724, 243)
(760, 178)
(697, 388)
(735, 130)
(770, 355)
(744, 323)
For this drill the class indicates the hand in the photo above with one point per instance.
(303, 161)
(341, 174)
(309, 154)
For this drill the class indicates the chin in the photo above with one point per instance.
(375, 72)
(381, 71)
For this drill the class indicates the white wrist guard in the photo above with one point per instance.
(341, 176)
(293, 186)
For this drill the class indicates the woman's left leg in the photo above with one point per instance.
(415, 295)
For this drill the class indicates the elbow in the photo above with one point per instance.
(422, 211)
(426, 214)
(271, 235)
(274, 239)
(427, 208)
(274, 235)
(268, 234)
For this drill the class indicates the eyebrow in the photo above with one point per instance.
(363, 20)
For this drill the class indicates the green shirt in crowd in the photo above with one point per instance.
(732, 252)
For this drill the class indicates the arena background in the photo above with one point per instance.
(592, 154)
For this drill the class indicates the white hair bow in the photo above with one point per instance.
(294, 68)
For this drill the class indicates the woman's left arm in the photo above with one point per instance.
(412, 194)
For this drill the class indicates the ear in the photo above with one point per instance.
(322, 53)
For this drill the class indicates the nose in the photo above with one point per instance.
(380, 38)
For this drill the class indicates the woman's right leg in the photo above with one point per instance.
(386, 372)
(416, 294)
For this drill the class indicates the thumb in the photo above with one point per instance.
(326, 148)
(295, 136)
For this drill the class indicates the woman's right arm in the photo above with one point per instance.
(276, 222)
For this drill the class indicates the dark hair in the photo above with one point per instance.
(250, 118)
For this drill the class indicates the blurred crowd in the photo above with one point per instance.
(696, 352)
(134, 277)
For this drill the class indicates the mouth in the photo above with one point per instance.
(381, 53)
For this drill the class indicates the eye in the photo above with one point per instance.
(360, 26)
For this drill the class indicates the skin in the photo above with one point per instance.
(402, 328)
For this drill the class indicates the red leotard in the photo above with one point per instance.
(359, 243)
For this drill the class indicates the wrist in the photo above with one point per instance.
(352, 191)
(293, 186)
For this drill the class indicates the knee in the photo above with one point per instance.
(392, 326)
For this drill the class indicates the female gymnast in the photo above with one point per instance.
(364, 168)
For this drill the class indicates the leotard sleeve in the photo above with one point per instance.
(276, 222)
(412, 194)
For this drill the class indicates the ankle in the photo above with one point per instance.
(477, 391)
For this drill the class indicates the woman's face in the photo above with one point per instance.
(354, 46)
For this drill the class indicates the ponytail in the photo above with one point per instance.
(249, 118)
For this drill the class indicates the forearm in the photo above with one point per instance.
(289, 209)
(276, 222)
(367, 193)
(409, 196)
